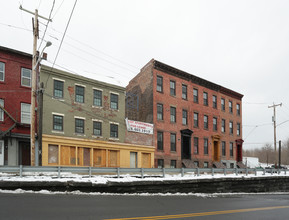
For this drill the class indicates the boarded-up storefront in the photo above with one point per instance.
(64, 151)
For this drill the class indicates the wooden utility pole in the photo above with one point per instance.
(35, 61)
(274, 120)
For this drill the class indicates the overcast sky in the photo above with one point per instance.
(242, 45)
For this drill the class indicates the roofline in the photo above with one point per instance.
(15, 51)
(195, 79)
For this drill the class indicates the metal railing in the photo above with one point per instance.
(139, 172)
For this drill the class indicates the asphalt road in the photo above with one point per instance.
(42, 206)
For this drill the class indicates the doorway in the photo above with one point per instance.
(133, 159)
(216, 151)
(24, 153)
(186, 143)
(1, 153)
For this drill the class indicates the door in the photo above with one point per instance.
(216, 151)
(186, 147)
(133, 159)
(1, 153)
(24, 153)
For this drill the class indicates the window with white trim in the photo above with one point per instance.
(25, 77)
(25, 113)
(2, 71)
(113, 101)
(113, 130)
(1, 110)
(97, 125)
(57, 122)
(79, 126)
(97, 97)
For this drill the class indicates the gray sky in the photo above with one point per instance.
(242, 45)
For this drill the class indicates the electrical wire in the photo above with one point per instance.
(62, 40)
(58, 9)
(12, 26)
(49, 18)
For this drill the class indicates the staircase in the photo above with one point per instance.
(241, 165)
(188, 163)
(218, 165)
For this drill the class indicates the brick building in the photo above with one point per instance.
(197, 123)
(15, 99)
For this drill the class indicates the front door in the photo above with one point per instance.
(1, 153)
(186, 147)
(24, 151)
(133, 159)
(216, 151)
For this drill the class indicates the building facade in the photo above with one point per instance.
(15, 99)
(84, 123)
(197, 123)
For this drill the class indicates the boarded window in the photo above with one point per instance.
(146, 160)
(52, 154)
(99, 157)
(86, 157)
(113, 161)
(68, 155)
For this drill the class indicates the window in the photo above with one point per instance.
(184, 92)
(196, 145)
(238, 109)
(215, 124)
(172, 88)
(185, 117)
(238, 129)
(232, 165)
(160, 163)
(205, 98)
(160, 140)
(113, 130)
(230, 107)
(173, 114)
(159, 84)
(214, 101)
(58, 89)
(196, 96)
(79, 94)
(160, 112)
(97, 97)
(231, 149)
(196, 119)
(231, 127)
(52, 154)
(1, 110)
(173, 163)
(223, 148)
(173, 142)
(206, 164)
(223, 125)
(2, 71)
(25, 77)
(79, 126)
(206, 150)
(196, 163)
(113, 101)
(223, 104)
(25, 113)
(97, 128)
(206, 125)
(58, 122)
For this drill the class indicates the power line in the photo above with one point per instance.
(62, 39)
(12, 26)
(47, 24)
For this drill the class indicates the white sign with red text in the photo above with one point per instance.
(140, 127)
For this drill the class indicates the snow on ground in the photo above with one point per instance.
(102, 179)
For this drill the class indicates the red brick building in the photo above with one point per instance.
(15, 99)
(197, 123)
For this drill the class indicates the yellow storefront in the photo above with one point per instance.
(65, 151)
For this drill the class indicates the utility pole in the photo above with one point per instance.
(35, 62)
(274, 120)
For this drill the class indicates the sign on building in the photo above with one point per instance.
(140, 127)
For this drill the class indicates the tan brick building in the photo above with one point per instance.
(197, 123)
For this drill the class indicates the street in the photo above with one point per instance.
(61, 206)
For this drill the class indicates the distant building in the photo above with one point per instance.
(197, 123)
(15, 99)
(84, 123)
